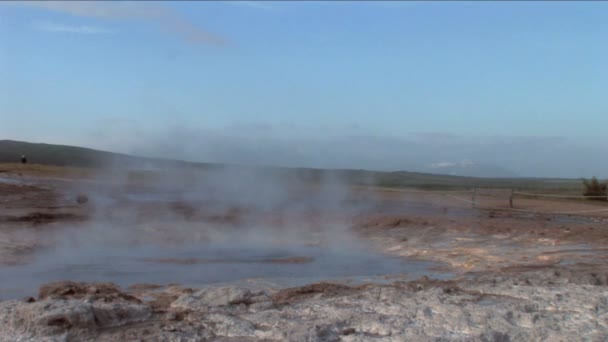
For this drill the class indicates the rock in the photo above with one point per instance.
(230, 326)
(215, 296)
(297, 293)
(107, 292)
(261, 306)
(117, 314)
(72, 309)
(51, 317)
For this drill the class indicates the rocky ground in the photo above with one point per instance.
(508, 276)
(540, 305)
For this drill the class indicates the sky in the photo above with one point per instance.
(482, 88)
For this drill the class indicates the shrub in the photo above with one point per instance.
(595, 188)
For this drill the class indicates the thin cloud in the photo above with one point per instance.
(446, 164)
(79, 29)
(165, 17)
(106, 10)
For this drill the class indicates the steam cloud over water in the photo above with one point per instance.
(221, 224)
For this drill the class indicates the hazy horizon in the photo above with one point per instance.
(488, 89)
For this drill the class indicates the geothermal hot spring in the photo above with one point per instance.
(118, 246)
(207, 264)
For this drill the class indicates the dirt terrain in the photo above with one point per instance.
(311, 263)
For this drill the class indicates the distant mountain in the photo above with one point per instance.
(470, 169)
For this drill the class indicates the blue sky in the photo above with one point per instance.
(514, 87)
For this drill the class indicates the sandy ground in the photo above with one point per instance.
(493, 275)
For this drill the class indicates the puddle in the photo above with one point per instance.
(12, 181)
(201, 265)
(566, 255)
(161, 197)
(573, 219)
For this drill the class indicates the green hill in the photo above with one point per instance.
(64, 155)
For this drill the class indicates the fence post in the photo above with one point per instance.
(474, 196)
(511, 200)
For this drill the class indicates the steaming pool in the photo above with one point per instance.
(201, 265)
(103, 250)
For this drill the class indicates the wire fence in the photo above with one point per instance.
(509, 196)
(553, 195)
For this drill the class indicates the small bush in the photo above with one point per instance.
(595, 188)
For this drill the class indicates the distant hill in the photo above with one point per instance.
(63, 155)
